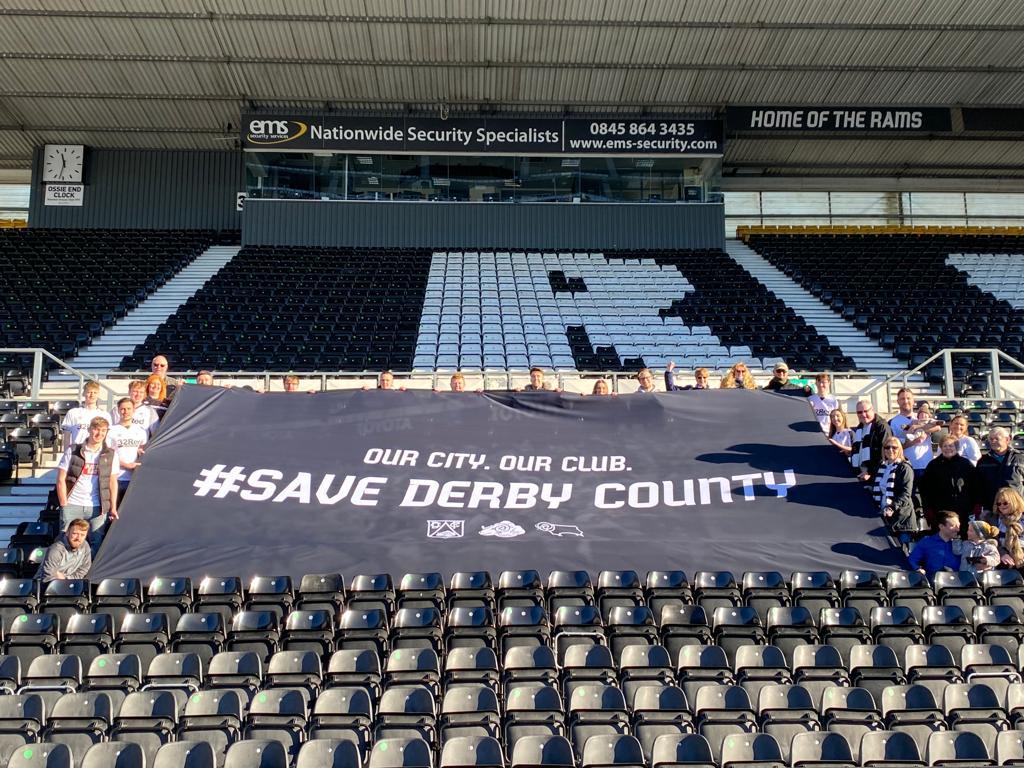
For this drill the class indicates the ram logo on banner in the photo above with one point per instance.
(237, 482)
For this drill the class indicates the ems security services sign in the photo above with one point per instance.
(665, 137)
(64, 194)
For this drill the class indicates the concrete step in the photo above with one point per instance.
(106, 352)
(848, 338)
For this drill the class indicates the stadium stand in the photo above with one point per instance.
(280, 309)
(37, 267)
(516, 670)
(935, 306)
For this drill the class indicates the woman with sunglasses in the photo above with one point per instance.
(894, 490)
(1009, 509)
(738, 377)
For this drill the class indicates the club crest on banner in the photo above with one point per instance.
(446, 529)
(506, 529)
(559, 530)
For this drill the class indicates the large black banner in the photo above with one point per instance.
(478, 136)
(840, 119)
(238, 483)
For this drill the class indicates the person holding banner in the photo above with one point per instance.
(601, 387)
(738, 377)
(646, 379)
(894, 490)
(868, 438)
(700, 379)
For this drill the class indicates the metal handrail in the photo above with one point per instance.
(37, 372)
(995, 382)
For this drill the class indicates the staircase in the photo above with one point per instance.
(853, 342)
(106, 352)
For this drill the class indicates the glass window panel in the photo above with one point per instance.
(881, 204)
(794, 203)
(742, 203)
(988, 204)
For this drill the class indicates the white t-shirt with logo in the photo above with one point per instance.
(145, 416)
(86, 490)
(126, 441)
(76, 422)
(823, 407)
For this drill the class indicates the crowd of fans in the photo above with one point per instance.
(962, 507)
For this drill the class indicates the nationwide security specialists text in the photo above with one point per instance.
(411, 134)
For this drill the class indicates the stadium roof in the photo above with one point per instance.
(176, 74)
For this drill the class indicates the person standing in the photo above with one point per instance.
(76, 421)
(949, 483)
(868, 436)
(1001, 467)
(128, 439)
(87, 482)
(822, 402)
(894, 489)
(966, 445)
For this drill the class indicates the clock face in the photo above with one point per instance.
(63, 162)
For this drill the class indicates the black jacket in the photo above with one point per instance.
(904, 517)
(880, 432)
(994, 474)
(949, 484)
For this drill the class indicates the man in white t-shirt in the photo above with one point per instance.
(899, 423)
(918, 444)
(143, 415)
(128, 439)
(966, 445)
(822, 401)
(75, 423)
(87, 482)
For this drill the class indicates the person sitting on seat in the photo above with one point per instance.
(894, 490)
(738, 377)
(980, 552)
(868, 436)
(780, 382)
(1009, 507)
(700, 379)
(822, 401)
(935, 553)
(70, 556)
(76, 421)
(646, 379)
(87, 482)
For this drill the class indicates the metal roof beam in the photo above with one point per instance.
(494, 21)
(553, 65)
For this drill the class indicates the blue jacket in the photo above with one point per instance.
(933, 554)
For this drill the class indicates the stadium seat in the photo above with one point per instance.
(185, 754)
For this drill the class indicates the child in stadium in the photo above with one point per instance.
(980, 552)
